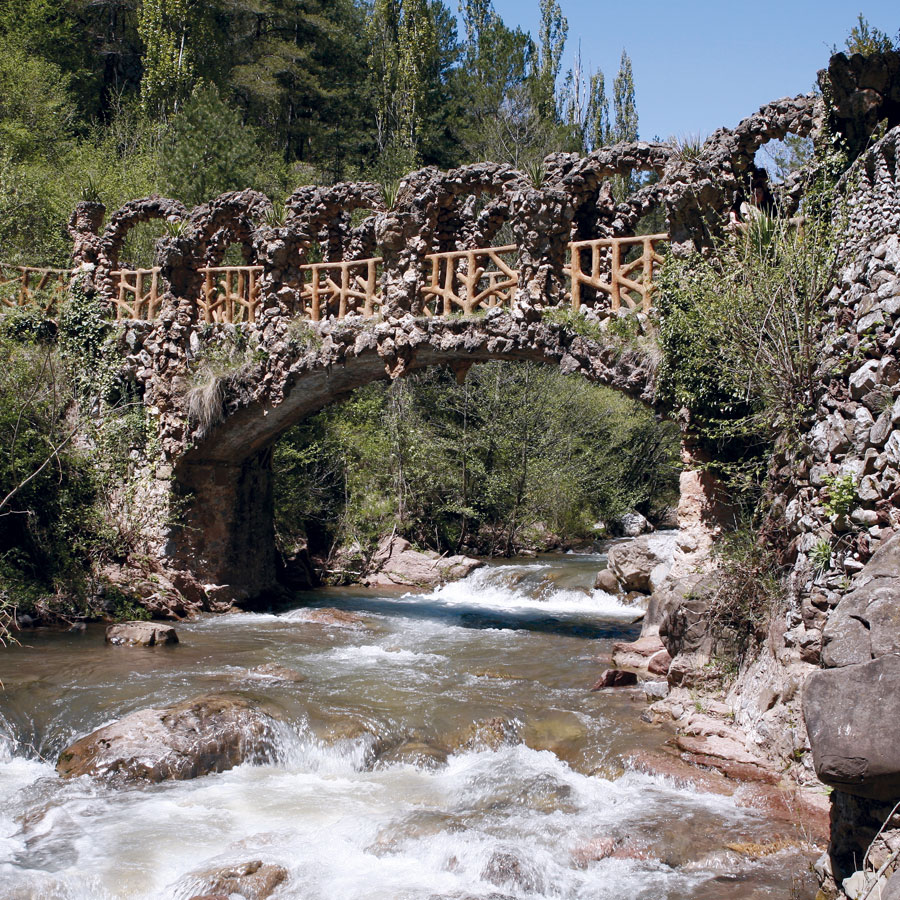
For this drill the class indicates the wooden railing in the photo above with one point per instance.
(138, 296)
(18, 285)
(339, 289)
(613, 272)
(229, 293)
(468, 280)
(625, 283)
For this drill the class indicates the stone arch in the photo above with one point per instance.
(324, 215)
(113, 238)
(209, 230)
(227, 534)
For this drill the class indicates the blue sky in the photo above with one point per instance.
(700, 65)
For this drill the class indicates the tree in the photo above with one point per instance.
(169, 30)
(626, 124)
(866, 39)
(552, 34)
(403, 49)
(585, 107)
(209, 150)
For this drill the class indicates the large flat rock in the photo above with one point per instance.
(852, 716)
(195, 737)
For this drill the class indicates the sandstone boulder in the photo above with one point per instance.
(636, 654)
(866, 622)
(396, 563)
(891, 890)
(633, 524)
(852, 716)
(141, 634)
(650, 556)
(206, 734)
(606, 581)
(254, 880)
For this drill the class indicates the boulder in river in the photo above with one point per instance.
(644, 563)
(254, 880)
(606, 581)
(396, 563)
(206, 734)
(141, 634)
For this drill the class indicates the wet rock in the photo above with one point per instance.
(338, 618)
(634, 562)
(606, 581)
(593, 851)
(485, 734)
(206, 734)
(141, 634)
(421, 754)
(396, 563)
(277, 673)
(254, 880)
(507, 869)
(852, 715)
(615, 678)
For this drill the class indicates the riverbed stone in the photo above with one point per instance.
(141, 634)
(205, 734)
(633, 562)
(612, 678)
(253, 880)
(852, 715)
(395, 562)
(606, 581)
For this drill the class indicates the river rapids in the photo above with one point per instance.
(439, 745)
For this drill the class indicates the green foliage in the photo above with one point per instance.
(208, 150)
(514, 455)
(738, 334)
(820, 555)
(866, 39)
(167, 29)
(46, 487)
(841, 494)
(748, 592)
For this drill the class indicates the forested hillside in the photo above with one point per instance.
(121, 98)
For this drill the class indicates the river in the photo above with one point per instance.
(445, 745)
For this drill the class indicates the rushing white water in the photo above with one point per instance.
(342, 808)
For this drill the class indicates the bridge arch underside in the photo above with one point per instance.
(225, 540)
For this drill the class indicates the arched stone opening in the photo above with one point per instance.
(226, 536)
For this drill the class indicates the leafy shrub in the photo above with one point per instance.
(841, 494)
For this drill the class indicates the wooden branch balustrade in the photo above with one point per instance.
(607, 256)
(458, 281)
(139, 296)
(26, 281)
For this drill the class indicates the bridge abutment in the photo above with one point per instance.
(225, 540)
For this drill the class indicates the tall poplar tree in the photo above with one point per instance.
(552, 34)
(626, 125)
(169, 30)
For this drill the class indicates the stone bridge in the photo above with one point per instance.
(340, 287)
